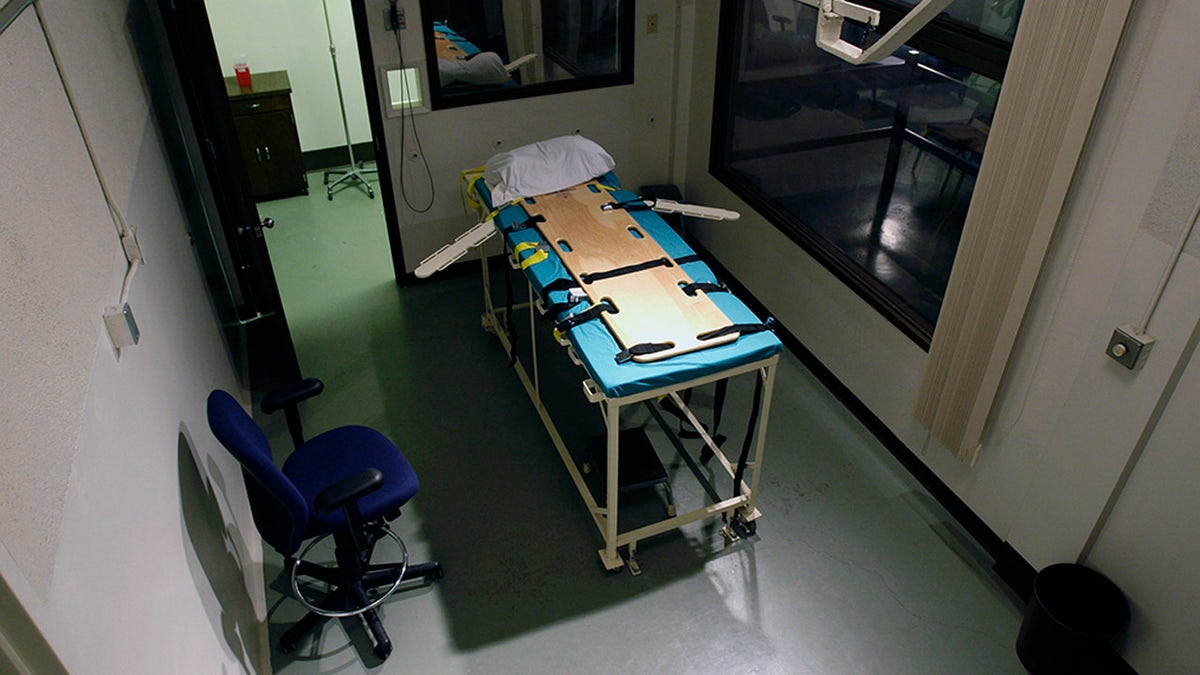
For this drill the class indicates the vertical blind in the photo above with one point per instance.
(1060, 59)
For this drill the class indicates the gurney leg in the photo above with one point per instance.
(612, 455)
(634, 568)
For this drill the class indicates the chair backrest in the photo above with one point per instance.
(280, 511)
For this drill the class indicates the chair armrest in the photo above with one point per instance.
(349, 489)
(292, 394)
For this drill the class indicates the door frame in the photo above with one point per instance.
(257, 334)
(370, 77)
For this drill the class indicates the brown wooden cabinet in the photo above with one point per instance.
(266, 128)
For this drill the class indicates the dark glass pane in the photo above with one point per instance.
(581, 37)
(996, 18)
(875, 163)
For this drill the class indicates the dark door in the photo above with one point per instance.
(222, 215)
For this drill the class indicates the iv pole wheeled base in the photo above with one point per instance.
(355, 171)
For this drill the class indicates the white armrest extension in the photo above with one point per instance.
(444, 256)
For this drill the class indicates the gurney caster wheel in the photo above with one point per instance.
(743, 527)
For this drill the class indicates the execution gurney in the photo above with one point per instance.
(646, 319)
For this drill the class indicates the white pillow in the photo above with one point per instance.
(545, 166)
(483, 68)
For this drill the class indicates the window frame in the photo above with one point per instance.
(945, 38)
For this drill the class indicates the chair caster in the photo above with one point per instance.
(383, 650)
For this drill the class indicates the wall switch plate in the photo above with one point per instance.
(394, 19)
(1129, 347)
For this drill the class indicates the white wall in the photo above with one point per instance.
(632, 122)
(131, 548)
(291, 35)
(1068, 419)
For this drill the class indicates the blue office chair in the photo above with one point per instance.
(346, 482)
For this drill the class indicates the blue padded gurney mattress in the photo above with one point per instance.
(592, 340)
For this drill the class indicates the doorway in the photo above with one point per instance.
(227, 220)
(319, 55)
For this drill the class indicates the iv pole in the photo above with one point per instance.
(355, 172)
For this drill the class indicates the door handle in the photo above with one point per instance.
(258, 154)
(267, 149)
(257, 227)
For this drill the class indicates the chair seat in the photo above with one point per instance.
(336, 454)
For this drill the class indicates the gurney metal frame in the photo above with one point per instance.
(740, 510)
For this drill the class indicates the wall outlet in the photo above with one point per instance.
(652, 23)
(122, 329)
(1129, 347)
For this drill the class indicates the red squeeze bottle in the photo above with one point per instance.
(242, 71)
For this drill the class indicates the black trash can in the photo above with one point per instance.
(1071, 622)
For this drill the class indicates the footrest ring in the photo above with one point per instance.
(350, 612)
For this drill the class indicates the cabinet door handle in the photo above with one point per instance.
(258, 153)
(267, 149)
(253, 106)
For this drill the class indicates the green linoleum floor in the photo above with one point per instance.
(854, 568)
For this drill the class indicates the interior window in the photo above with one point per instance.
(870, 168)
(404, 90)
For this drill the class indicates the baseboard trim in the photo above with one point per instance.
(332, 158)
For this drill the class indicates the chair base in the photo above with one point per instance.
(355, 594)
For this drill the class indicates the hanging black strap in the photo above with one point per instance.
(722, 389)
(684, 259)
(510, 325)
(750, 428)
(642, 349)
(620, 271)
(706, 286)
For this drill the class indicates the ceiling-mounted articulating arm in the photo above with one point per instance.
(831, 14)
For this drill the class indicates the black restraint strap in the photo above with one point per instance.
(750, 428)
(722, 389)
(635, 204)
(741, 328)
(628, 269)
(641, 349)
(684, 259)
(706, 286)
(525, 224)
(561, 284)
(559, 307)
(586, 315)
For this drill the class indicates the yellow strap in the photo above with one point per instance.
(471, 200)
(534, 259)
